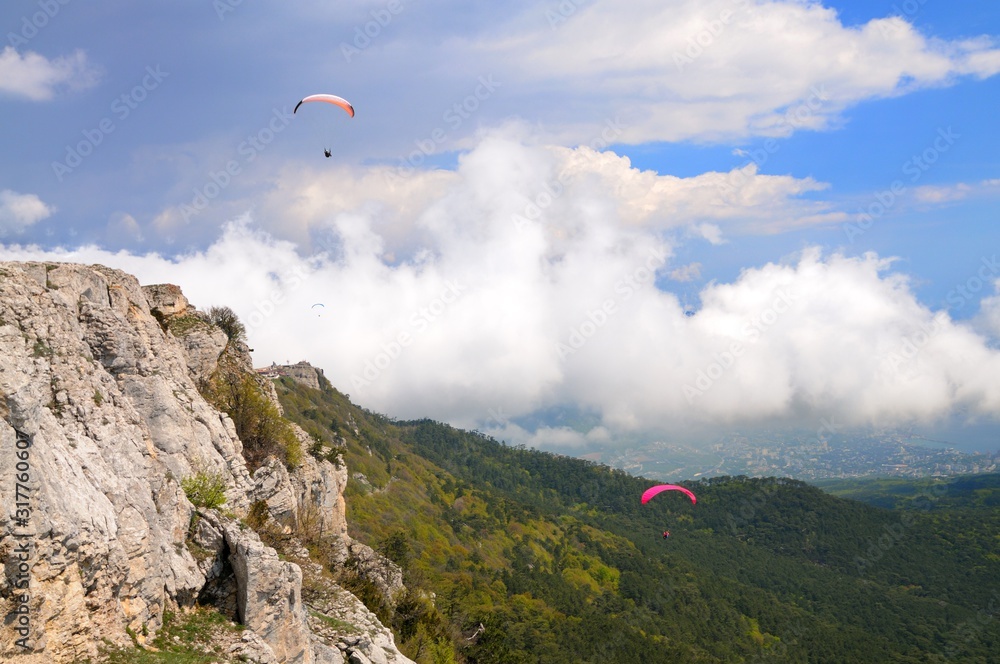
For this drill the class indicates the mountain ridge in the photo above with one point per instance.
(531, 545)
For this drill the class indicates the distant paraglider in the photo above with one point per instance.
(319, 311)
(329, 99)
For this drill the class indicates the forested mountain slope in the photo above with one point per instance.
(514, 555)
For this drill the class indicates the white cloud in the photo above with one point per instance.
(686, 272)
(38, 78)
(717, 69)
(123, 227)
(987, 320)
(709, 232)
(488, 306)
(941, 194)
(528, 181)
(482, 326)
(19, 211)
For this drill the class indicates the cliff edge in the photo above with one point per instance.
(101, 424)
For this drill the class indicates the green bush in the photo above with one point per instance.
(207, 490)
(258, 423)
(228, 321)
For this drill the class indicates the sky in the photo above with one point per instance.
(654, 219)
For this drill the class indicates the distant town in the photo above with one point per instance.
(804, 457)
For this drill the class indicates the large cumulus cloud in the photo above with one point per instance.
(531, 279)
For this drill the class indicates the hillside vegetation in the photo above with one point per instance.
(514, 555)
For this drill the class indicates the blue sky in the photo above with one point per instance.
(514, 168)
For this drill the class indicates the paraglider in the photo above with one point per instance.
(649, 493)
(660, 488)
(329, 99)
(321, 307)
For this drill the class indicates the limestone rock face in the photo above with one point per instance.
(100, 420)
(114, 421)
(302, 372)
(166, 299)
(253, 649)
(318, 486)
(203, 344)
(273, 486)
(373, 566)
(367, 639)
(311, 495)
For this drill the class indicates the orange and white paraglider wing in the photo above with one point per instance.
(329, 99)
(660, 488)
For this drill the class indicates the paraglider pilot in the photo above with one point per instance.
(666, 534)
(327, 153)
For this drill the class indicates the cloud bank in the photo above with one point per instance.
(713, 70)
(535, 279)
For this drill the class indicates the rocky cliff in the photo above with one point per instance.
(101, 423)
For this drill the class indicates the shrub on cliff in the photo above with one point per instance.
(259, 426)
(226, 319)
(206, 490)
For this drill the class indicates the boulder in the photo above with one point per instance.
(269, 595)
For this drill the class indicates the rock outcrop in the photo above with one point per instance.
(269, 596)
(301, 372)
(311, 496)
(100, 420)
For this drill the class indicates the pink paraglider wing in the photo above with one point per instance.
(329, 99)
(660, 488)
